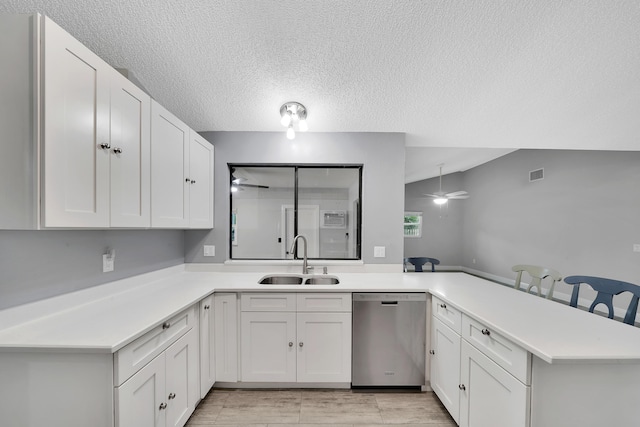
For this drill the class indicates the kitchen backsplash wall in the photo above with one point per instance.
(38, 264)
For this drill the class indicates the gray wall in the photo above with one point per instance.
(441, 225)
(582, 218)
(40, 264)
(382, 155)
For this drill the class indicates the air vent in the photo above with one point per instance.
(536, 175)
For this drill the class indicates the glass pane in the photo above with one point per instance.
(329, 203)
(262, 200)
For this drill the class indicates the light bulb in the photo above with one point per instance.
(440, 201)
(291, 134)
(286, 119)
(302, 125)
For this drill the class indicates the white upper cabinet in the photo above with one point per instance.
(76, 141)
(181, 173)
(76, 132)
(130, 157)
(169, 169)
(201, 188)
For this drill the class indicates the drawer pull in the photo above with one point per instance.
(172, 396)
(105, 145)
(443, 305)
(166, 325)
(162, 406)
(301, 344)
(290, 344)
(206, 307)
(486, 332)
(117, 150)
(432, 352)
(462, 387)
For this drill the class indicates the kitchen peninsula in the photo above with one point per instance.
(71, 353)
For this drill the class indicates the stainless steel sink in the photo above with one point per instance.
(295, 279)
(322, 280)
(281, 279)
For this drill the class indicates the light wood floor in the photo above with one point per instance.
(344, 408)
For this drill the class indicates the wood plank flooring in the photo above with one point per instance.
(343, 408)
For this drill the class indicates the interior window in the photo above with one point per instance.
(413, 224)
(270, 204)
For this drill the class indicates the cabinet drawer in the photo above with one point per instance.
(132, 357)
(511, 357)
(324, 302)
(268, 302)
(450, 316)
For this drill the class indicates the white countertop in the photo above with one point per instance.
(105, 318)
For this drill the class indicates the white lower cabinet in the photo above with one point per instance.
(226, 336)
(165, 390)
(481, 377)
(489, 395)
(445, 366)
(281, 344)
(207, 346)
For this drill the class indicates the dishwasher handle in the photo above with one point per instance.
(390, 303)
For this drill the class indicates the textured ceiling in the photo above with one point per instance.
(473, 73)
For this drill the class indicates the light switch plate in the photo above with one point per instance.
(209, 250)
(379, 252)
(636, 247)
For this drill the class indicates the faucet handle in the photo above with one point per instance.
(310, 269)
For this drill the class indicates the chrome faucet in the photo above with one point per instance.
(305, 268)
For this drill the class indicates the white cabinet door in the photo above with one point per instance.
(268, 346)
(76, 132)
(139, 400)
(130, 154)
(207, 346)
(445, 366)
(201, 188)
(324, 347)
(226, 337)
(491, 396)
(182, 390)
(169, 169)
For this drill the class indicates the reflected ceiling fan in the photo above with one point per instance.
(237, 183)
(440, 198)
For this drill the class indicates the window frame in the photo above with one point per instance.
(419, 215)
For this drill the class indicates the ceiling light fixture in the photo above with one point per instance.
(292, 114)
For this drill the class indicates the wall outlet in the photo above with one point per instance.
(636, 247)
(379, 251)
(209, 250)
(108, 261)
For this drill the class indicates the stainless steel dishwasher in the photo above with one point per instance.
(389, 334)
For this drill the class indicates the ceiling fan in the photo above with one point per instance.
(238, 182)
(440, 198)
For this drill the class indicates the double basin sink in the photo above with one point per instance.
(299, 279)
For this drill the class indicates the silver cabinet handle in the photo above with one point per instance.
(105, 145)
(432, 352)
(172, 396)
(290, 344)
(117, 150)
(301, 344)
(443, 305)
(187, 180)
(486, 332)
(193, 181)
(162, 406)
(166, 325)
(462, 387)
(206, 307)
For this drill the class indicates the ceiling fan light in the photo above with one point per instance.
(440, 201)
